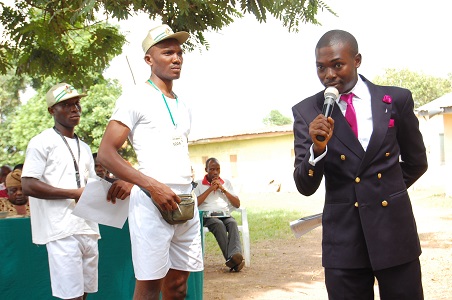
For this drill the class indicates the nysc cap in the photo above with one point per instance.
(61, 92)
(161, 33)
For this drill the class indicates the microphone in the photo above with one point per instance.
(331, 93)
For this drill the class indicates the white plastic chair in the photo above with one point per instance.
(243, 228)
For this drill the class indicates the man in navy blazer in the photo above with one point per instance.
(369, 230)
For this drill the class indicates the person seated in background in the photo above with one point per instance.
(16, 197)
(101, 171)
(4, 171)
(215, 197)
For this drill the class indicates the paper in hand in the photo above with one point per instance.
(93, 205)
(306, 224)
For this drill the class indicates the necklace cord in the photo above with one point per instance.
(77, 173)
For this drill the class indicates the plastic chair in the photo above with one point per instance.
(243, 228)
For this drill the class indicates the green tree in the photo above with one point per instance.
(73, 41)
(9, 93)
(425, 88)
(49, 39)
(32, 118)
(65, 39)
(21, 125)
(276, 118)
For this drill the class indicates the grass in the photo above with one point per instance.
(266, 222)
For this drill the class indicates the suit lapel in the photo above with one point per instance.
(381, 113)
(344, 133)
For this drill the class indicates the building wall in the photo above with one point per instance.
(448, 138)
(432, 130)
(253, 163)
(257, 164)
(437, 135)
(448, 152)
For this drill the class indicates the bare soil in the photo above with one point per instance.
(291, 268)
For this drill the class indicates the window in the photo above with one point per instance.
(233, 161)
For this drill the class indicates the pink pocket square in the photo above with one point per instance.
(391, 123)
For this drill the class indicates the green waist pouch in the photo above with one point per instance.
(185, 211)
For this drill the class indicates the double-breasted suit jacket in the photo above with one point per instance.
(367, 217)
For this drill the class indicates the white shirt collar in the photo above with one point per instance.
(360, 90)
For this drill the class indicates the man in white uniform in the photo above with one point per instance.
(157, 123)
(57, 166)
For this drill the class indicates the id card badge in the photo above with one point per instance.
(178, 141)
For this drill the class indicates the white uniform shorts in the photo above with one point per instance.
(158, 246)
(73, 265)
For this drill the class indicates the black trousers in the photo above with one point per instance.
(226, 232)
(397, 283)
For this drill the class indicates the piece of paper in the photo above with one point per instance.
(93, 205)
(306, 224)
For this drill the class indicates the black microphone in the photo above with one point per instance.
(331, 93)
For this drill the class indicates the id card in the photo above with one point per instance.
(178, 141)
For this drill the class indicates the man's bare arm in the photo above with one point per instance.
(114, 137)
(38, 189)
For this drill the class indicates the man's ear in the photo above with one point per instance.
(50, 110)
(148, 59)
(358, 59)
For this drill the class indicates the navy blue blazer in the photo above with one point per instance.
(367, 217)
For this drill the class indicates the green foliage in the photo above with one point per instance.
(49, 39)
(65, 39)
(27, 121)
(32, 118)
(276, 118)
(9, 93)
(96, 111)
(425, 88)
(97, 108)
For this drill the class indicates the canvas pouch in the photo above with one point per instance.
(183, 214)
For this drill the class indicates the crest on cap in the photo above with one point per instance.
(68, 89)
(161, 33)
(61, 92)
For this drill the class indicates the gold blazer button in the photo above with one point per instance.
(384, 203)
(357, 179)
(356, 204)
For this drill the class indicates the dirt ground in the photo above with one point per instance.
(291, 269)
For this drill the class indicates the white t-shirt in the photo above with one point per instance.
(216, 200)
(161, 146)
(48, 159)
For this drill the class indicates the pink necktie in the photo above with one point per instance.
(350, 114)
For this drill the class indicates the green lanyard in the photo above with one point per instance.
(166, 103)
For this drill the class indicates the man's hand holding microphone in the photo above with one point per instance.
(321, 128)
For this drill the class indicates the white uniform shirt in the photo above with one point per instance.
(48, 159)
(161, 147)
